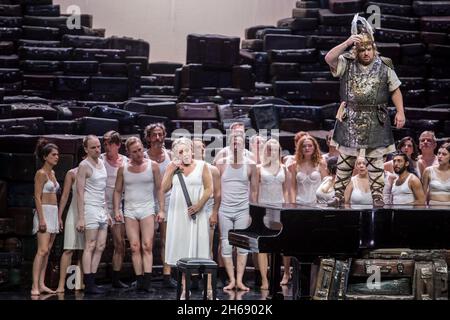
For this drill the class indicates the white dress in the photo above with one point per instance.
(307, 185)
(187, 238)
(271, 192)
(73, 240)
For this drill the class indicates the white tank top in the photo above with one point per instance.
(402, 194)
(111, 179)
(235, 188)
(307, 185)
(271, 186)
(139, 189)
(95, 186)
(358, 196)
(438, 186)
(324, 197)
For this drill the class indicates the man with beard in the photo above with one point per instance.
(407, 188)
(363, 125)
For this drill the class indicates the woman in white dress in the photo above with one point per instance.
(73, 240)
(273, 189)
(436, 179)
(186, 237)
(325, 192)
(358, 190)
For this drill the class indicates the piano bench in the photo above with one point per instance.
(190, 266)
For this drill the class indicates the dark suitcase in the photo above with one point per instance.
(143, 120)
(312, 113)
(306, 4)
(194, 126)
(409, 83)
(424, 281)
(20, 194)
(413, 60)
(413, 49)
(86, 20)
(73, 84)
(233, 111)
(285, 71)
(264, 117)
(117, 85)
(39, 82)
(41, 53)
(163, 109)
(435, 24)
(253, 44)
(133, 47)
(67, 144)
(334, 30)
(197, 111)
(10, 10)
(305, 12)
(7, 48)
(196, 76)
(53, 22)
(439, 71)
(280, 42)
(431, 8)
(10, 34)
(37, 43)
(325, 42)
(157, 90)
(390, 50)
(339, 281)
(126, 118)
(345, 6)
(18, 166)
(213, 50)
(314, 67)
(158, 80)
(415, 98)
(10, 75)
(84, 42)
(83, 31)
(9, 61)
(425, 114)
(10, 259)
(101, 55)
(49, 10)
(163, 67)
(11, 22)
(11, 88)
(40, 66)
(28, 110)
(292, 90)
(40, 33)
(16, 143)
(294, 125)
(250, 33)
(440, 279)
(80, 67)
(37, 2)
(323, 90)
(438, 84)
(263, 32)
(400, 36)
(332, 19)
(439, 50)
(297, 24)
(62, 110)
(243, 77)
(393, 9)
(23, 218)
(142, 61)
(6, 226)
(97, 126)
(113, 69)
(411, 71)
(261, 89)
(324, 279)
(60, 127)
(399, 22)
(293, 56)
(3, 197)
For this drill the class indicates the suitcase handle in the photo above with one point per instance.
(18, 127)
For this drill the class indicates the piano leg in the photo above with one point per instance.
(305, 280)
(275, 277)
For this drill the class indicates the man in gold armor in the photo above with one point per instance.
(363, 126)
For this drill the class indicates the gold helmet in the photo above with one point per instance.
(365, 30)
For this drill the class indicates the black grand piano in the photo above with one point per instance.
(307, 232)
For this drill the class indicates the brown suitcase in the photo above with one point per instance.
(324, 279)
(339, 281)
(424, 281)
(388, 268)
(197, 111)
(440, 279)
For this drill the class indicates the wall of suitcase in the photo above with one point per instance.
(64, 83)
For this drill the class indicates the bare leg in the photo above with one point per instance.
(43, 240)
(118, 233)
(287, 271)
(228, 261)
(42, 287)
(89, 248)
(241, 263)
(263, 265)
(162, 230)
(99, 247)
(147, 227)
(64, 263)
(133, 234)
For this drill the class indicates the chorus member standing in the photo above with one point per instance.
(140, 181)
(113, 161)
(436, 179)
(427, 145)
(407, 188)
(238, 177)
(187, 237)
(325, 192)
(358, 190)
(45, 221)
(408, 147)
(92, 217)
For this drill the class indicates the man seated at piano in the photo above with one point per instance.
(272, 189)
(238, 177)
(436, 179)
(406, 188)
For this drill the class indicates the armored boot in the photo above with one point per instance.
(344, 172)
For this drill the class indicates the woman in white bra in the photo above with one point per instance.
(272, 189)
(45, 221)
(358, 190)
(307, 171)
(436, 179)
(408, 147)
(325, 192)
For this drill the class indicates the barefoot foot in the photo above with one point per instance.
(230, 286)
(240, 286)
